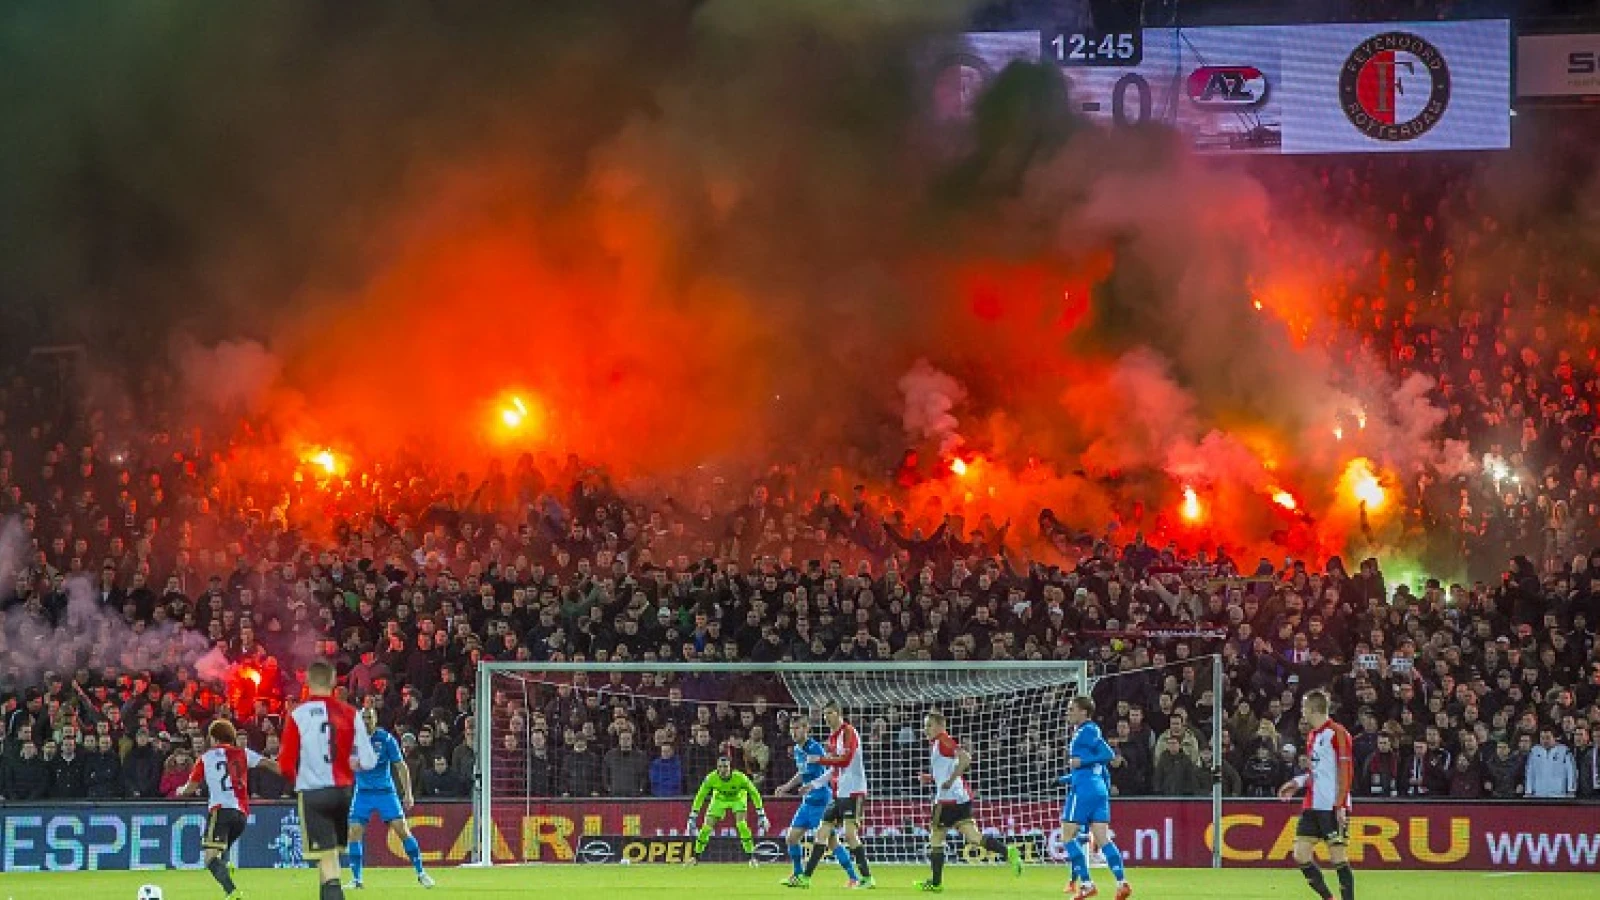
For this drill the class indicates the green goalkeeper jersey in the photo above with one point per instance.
(730, 791)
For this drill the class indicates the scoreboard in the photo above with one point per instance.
(1374, 87)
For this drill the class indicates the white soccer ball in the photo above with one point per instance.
(151, 892)
(626, 861)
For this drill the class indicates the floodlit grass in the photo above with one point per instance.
(726, 882)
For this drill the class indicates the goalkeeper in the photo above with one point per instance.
(729, 791)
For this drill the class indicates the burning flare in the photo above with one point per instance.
(1362, 483)
(1284, 499)
(323, 458)
(959, 466)
(1191, 505)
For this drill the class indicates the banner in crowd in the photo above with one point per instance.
(1520, 836)
(1558, 65)
(1345, 88)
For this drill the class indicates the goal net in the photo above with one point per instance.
(559, 781)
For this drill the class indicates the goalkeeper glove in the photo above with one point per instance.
(690, 826)
(761, 820)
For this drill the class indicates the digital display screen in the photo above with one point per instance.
(1347, 88)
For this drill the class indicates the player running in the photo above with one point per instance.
(732, 792)
(813, 778)
(225, 771)
(375, 794)
(948, 763)
(849, 796)
(1325, 817)
(1089, 803)
(320, 739)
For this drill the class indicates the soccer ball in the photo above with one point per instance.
(150, 892)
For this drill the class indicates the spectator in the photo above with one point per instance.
(666, 772)
(266, 783)
(1232, 784)
(1466, 778)
(175, 772)
(1587, 754)
(1550, 773)
(1262, 776)
(439, 782)
(700, 757)
(1505, 772)
(1380, 777)
(66, 770)
(141, 768)
(102, 770)
(28, 778)
(541, 767)
(757, 756)
(625, 770)
(1176, 774)
(580, 774)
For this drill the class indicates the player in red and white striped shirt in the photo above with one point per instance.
(225, 771)
(1325, 817)
(321, 740)
(849, 793)
(948, 763)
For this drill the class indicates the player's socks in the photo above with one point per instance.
(1114, 861)
(1079, 861)
(797, 858)
(413, 852)
(358, 859)
(817, 849)
(746, 841)
(842, 854)
(702, 839)
(859, 854)
(332, 891)
(219, 870)
(936, 864)
(1314, 878)
(1347, 881)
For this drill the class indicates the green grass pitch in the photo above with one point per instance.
(726, 882)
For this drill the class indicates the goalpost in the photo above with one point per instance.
(1012, 717)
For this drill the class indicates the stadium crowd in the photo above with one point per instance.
(156, 587)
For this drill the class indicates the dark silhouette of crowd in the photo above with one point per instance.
(156, 583)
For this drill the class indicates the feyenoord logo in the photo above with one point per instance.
(1394, 86)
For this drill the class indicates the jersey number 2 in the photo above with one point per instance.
(224, 779)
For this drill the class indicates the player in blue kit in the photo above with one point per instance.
(1089, 804)
(376, 795)
(812, 778)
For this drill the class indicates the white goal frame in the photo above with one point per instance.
(1072, 672)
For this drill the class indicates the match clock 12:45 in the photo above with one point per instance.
(1084, 47)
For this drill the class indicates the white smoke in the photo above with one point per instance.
(233, 376)
(931, 397)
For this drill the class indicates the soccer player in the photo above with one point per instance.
(1089, 803)
(814, 779)
(948, 763)
(375, 794)
(225, 771)
(1325, 817)
(849, 796)
(732, 792)
(319, 740)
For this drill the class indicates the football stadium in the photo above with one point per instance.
(1062, 448)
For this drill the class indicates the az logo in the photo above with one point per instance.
(1227, 87)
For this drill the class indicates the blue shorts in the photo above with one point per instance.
(385, 803)
(1084, 807)
(808, 816)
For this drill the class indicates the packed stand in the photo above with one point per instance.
(157, 586)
